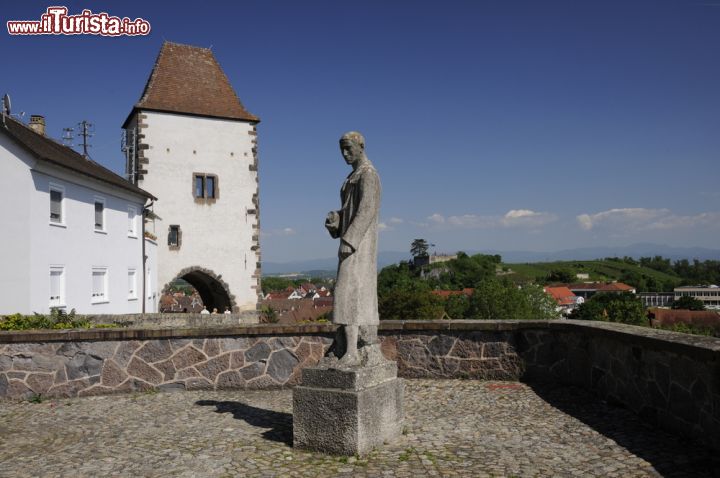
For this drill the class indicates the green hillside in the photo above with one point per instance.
(642, 278)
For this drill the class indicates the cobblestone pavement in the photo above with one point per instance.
(452, 428)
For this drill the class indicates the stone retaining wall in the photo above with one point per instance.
(175, 320)
(671, 380)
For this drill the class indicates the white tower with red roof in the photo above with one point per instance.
(191, 143)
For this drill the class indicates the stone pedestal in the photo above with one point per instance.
(347, 411)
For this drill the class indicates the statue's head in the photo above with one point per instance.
(352, 146)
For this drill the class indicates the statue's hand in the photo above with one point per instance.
(332, 223)
(345, 250)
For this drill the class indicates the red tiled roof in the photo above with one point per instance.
(279, 294)
(188, 79)
(562, 295)
(600, 286)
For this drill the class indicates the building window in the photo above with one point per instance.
(99, 214)
(199, 186)
(205, 187)
(132, 221)
(174, 237)
(210, 186)
(57, 193)
(132, 284)
(57, 286)
(99, 285)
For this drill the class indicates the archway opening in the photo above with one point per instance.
(210, 289)
(212, 292)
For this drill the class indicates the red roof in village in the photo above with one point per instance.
(279, 294)
(601, 286)
(188, 79)
(447, 293)
(562, 295)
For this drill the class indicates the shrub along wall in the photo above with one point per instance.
(671, 380)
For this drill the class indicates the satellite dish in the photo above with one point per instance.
(6, 104)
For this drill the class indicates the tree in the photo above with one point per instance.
(456, 306)
(560, 275)
(465, 271)
(410, 304)
(502, 300)
(626, 308)
(419, 248)
(270, 284)
(688, 303)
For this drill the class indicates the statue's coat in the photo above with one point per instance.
(356, 286)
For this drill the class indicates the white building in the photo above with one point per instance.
(190, 142)
(708, 294)
(72, 230)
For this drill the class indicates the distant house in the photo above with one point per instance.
(708, 294)
(290, 311)
(566, 300)
(307, 287)
(656, 299)
(588, 289)
(73, 231)
(179, 302)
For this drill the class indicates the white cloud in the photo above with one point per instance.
(472, 221)
(673, 221)
(383, 227)
(637, 218)
(395, 220)
(288, 231)
(436, 218)
(527, 217)
(513, 218)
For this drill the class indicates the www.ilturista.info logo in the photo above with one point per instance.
(56, 21)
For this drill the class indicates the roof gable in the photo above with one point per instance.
(188, 79)
(49, 150)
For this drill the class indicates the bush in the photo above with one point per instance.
(58, 319)
(625, 308)
(684, 328)
(688, 303)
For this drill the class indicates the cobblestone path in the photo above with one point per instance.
(453, 428)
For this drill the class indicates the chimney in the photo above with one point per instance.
(37, 124)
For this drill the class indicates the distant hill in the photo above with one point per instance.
(582, 254)
(643, 278)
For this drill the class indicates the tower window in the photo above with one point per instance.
(205, 187)
(174, 237)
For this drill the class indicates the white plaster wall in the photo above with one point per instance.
(79, 248)
(152, 292)
(215, 236)
(16, 184)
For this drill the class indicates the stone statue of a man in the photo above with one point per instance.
(355, 307)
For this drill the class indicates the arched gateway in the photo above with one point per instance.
(214, 292)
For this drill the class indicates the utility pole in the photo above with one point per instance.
(86, 130)
(67, 137)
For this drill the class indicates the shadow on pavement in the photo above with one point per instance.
(279, 423)
(670, 455)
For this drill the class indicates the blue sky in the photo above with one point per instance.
(507, 125)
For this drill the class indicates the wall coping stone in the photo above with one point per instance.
(697, 346)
